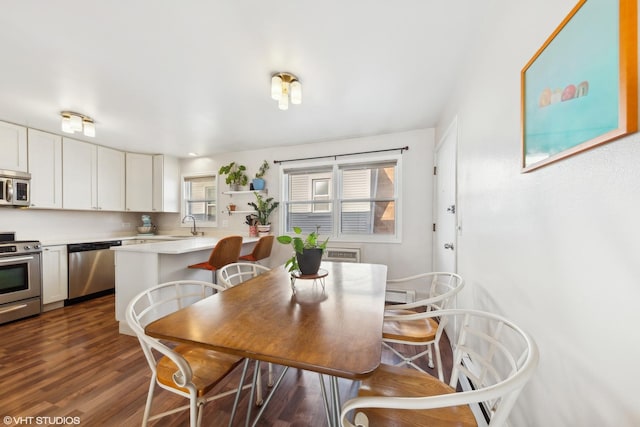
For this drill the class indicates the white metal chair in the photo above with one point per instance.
(491, 353)
(233, 275)
(186, 370)
(400, 328)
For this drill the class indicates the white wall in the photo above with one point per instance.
(556, 249)
(411, 256)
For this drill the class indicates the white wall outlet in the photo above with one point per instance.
(225, 223)
(126, 225)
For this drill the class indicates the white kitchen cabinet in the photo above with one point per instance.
(54, 274)
(13, 147)
(79, 176)
(45, 167)
(93, 177)
(111, 179)
(166, 184)
(139, 182)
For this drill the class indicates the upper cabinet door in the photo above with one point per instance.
(79, 186)
(139, 182)
(13, 147)
(45, 166)
(166, 184)
(111, 179)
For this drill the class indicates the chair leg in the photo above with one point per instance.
(147, 407)
(240, 386)
(259, 399)
(200, 411)
(193, 410)
(439, 361)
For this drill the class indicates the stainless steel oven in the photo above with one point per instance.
(20, 279)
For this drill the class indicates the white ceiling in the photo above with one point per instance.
(174, 77)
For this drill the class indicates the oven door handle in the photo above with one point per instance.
(14, 259)
(14, 308)
(9, 190)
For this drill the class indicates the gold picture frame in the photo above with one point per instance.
(580, 89)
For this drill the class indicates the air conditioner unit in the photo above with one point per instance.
(342, 254)
(400, 295)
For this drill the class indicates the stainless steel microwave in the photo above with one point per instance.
(15, 188)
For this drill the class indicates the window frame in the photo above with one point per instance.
(183, 201)
(336, 197)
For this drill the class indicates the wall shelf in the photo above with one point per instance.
(231, 193)
(227, 211)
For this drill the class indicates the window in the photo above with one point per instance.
(349, 201)
(199, 199)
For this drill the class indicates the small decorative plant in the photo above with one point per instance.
(304, 246)
(264, 167)
(263, 208)
(236, 175)
(258, 181)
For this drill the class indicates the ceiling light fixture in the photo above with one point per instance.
(75, 122)
(285, 87)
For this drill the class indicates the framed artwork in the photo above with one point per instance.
(580, 89)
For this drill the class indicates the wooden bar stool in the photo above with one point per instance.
(261, 250)
(226, 251)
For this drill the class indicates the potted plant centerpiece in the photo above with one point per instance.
(308, 252)
(263, 208)
(236, 176)
(258, 181)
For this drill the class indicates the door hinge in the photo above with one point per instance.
(434, 226)
(435, 170)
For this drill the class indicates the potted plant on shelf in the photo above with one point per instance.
(236, 176)
(258, 181)
(308, 251)
(263, 208)
(252, 222)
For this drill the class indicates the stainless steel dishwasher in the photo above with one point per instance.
(91, 269)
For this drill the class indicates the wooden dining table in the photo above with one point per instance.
(335, 329)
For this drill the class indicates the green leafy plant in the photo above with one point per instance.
(235, 174)
(300, 244)
(264, 167)
(263, 208)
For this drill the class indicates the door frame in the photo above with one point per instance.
(451, 130)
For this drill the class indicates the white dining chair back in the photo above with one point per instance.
(493, 359)
(182, 369)
(232, 275)
(441, 289)
(238, 272)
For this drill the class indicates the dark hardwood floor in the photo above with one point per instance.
(72, 362)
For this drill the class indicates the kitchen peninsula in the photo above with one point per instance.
(139, 267)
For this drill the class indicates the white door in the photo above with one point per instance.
(139, 182)
(45, 166)
(79, 186)
(111, 179)
(444, 204)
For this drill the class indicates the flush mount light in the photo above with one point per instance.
(285, 87)
(75, 122)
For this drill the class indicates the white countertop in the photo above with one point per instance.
(192, 244)
(70, 240)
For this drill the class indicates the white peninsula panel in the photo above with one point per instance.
(139, 267)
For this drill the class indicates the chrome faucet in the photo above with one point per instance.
(194, 232)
